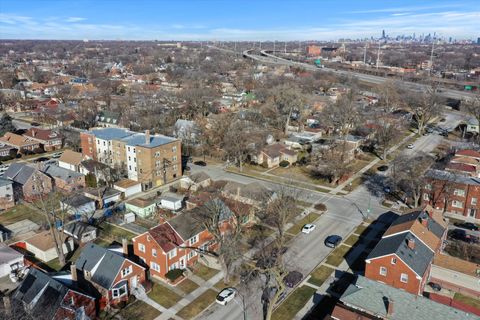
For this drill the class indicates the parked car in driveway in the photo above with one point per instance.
(467, 225)
(225, 296)
(333, 241)
(309, 227)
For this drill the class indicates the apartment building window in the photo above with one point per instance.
(394, 260)
(383, 271)
(193, 239)
(175, 167)
(135, 169)
(141, 247)
(104, 144)
(459, 192)
(474, 201)
(404, 277)
(98, 141)
(174, 149)
(128, 149)
(127, 271)
(157, 163)
(191, 254)
(99, 150)
(134, 159)
(130, 168)
(155, 266)
(159, 173)
(133, 150)
(157, 154)
(129, 158)
(426, 197)
(457, 204)
(172, 253)
(154, 252)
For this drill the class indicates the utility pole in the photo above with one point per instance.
(378, 54)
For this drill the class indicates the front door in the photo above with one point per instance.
(472, 213)
(182, 263)
(133, 282)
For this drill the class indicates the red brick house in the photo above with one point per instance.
(53, 296)
(110, 271)
(28, 182)
(404, 255)
(87, 142)
(453, 193)
(48, 139)
(22, 144)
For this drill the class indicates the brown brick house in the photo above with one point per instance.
(64, 179)
(403, 257)
(22, 144)
(50, 140)
(272, 155)
(29, 183)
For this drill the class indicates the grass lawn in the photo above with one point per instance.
(163, 295)
(204, 272)
(232, 283)
(467, 300)
(289, 308)
(187, 286)
(319, 275)
(352, 240)
(360, 229)
(109, 231)
(21, 212)
(297, 227)
(138, 310)
(336, 257)
(198, 305)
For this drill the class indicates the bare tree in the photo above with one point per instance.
(389, 96)
(472, 107)
(287, 99)
(424, 106)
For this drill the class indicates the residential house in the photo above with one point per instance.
(404, 255)
(49, 140)
(64, 179)
(273, 154)
(42, 245)
(10, 260)
(153, 160)
(78, 205)
(7, 199)
(103, 195)
(6, 151)
(29, 183)
(99, 170)
(253, 193)
(196, 181)
(80, 231)
(365, 299)
(21, 143)
(108, 119)
(110, 271)
(169, 245)
(455, 194)
(70, 160)
(53, 297)
(142, 207)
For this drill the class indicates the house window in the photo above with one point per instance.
(154, 252)
(457, 204)
(191, 254)
(193, 239)
(127, 271)
(141, 247)
(172, 253)
(404, 277)
(155, 266)
(117, 293)
(174, 149)
(394, 260)
(459, 192)
(474, 201)
(383, 271)
(426, 197)
(174, 158)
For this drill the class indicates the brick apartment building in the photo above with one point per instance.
(404, 255)
(152, 160)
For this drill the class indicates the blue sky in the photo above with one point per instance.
(234, 19)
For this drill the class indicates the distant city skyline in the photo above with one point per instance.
(236, 20)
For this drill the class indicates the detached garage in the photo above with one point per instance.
(128, 187)
(43, 246)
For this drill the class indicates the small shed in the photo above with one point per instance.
(80, 231)
(128, 187)
(141, 207)
(10, 260)
(171, 201)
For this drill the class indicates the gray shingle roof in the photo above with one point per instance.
(186, 224)
(61, 173)
(110, 264)
(19, 172)
(418, 259)
(4, 182)
(77, 200)
(449, 176)
(433, 226)
(370, 296)
(78, 228)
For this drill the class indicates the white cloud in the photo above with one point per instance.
(75, 19)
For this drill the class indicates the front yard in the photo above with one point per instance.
(294, 303)
(319, 275)
(163, 295)
(336, 256)
(198, 305)
(134, 311)
(204, 272)
(187, 286)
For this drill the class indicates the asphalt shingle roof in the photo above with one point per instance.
(370, 296)
(418, 259)
(61, 173)
(19, 172)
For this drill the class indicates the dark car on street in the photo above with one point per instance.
(467, 225)
(333, 241)
(41, 159)
(200, 163)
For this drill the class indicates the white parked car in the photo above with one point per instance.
(225, 296)
(309, 227)
(410, 146)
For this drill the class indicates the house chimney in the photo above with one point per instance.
(147, 136)
(73, 271)
(411, 243)
(125, 246)
(424, 221)
(389, 307)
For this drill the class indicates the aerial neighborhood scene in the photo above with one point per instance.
(239, 160)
